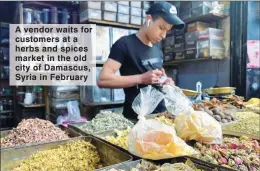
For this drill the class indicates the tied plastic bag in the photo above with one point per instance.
(152, 139)
(73, 111)
(175, 101)
(199, 126)
(190, 124)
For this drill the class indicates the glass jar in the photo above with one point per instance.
(64, 16)
(45, 15)
(27, 15)
(54, 15)
(74, 16)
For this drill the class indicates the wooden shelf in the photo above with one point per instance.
(7, 111)
(31, 105)
(104, 103)
(110, 23)
(175, 62)
(41, 4)
(209, 18)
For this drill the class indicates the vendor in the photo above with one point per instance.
(139, 57)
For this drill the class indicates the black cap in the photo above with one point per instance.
(168, 12)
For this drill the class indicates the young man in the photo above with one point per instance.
(139, 58)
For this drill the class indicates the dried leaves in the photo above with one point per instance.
(74, 156)
(33, 131)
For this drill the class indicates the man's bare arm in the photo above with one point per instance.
(109, 79)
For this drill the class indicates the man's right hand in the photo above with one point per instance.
(150, 77)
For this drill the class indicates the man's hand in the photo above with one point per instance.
(150, 77)
(169, 80)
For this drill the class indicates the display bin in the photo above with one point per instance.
(84, 5)
(132, 164)
(122, 18)
(170, 33)
(109, 155)
(137, 4)
(212, 53)
(180, 38)
(185, 15)
(70, 132)
(191, 45)
(109, 6)
(60, 103)
(109, 16)
(179, 55)
(197, 26)
(191, 54)
(136, 20)
(136, 11)
(118, 95)
(195, 4)
(169, 41)
(90, 14)
(185, 6)
(123, 9)
(211, 33)
(64, 88)
(211, 43)
(143, 13)
(199, 11)
(178, 31)
(103, 40)
(179, 47)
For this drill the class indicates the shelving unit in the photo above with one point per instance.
(208, 18)
(175, 62)
(103, 103)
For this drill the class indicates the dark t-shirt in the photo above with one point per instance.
(134, 56)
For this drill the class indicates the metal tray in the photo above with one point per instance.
(70, 132)
(109, 155)
(132, 164)
(190, 92)
(220, 90)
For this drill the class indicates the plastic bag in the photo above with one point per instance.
(152, 139)
(199, 126)
(73, 111)
(175, 101)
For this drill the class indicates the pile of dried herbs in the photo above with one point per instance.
(32, 131)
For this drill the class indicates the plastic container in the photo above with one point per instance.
(103, 40)
(123, 9)
(143, 20)
(136, 20)
(109, 6)
(109, 16)
(90, 14)
(179, 55)
(54, 15)
(64, 16)
(117, 33)
(118, 95)
(90, 5)
(191, 44)
(170, 33)
(197, 26)
(211, 33)
(195, 4)
(179, 47)
(178, 32)
(66, 94)
(45, 15)
(60, 103)
(212, 52)
(210, 43)
(180, 38)
(74, 17)
(27, 15)
(199, 11)
(191, 36)
(143, 13)
(185, 15)
(122, 18)
(191, 54)
(168, 57)
(136, 11)
(146, 5)
(137, 4)
(94, 94)
(169, 41)
(65, 88)
(123, 3)
(185, 6)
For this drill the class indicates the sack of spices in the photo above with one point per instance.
(150, 138)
